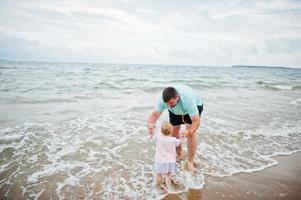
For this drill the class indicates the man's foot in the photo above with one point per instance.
(190, 166)
(196, 162)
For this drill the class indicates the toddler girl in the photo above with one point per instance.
(165, 158)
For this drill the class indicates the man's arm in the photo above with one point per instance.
(152, 121)
(195, 124)
(193, 113)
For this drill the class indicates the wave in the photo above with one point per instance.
(22, 67)
(107, 85)
(32, 89)
(134, 80)
(7, 67)
(25, 100)
(297, 87)
(153, 89)
(278, 86)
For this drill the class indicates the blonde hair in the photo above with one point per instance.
(165, 128)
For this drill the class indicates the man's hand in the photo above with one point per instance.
(151, 128)
(187, 133)
(152, 121)
(183, 134)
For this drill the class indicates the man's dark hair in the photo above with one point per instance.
(169, 93)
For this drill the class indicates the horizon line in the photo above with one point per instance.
(156, 64)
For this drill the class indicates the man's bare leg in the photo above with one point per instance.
(191, 147)
(176, 133)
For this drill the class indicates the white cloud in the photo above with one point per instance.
(169, 32)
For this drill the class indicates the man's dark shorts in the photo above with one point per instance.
(182, 119)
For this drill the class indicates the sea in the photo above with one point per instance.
(78, 130)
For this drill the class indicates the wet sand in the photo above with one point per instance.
(282, 181)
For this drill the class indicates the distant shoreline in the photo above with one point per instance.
(263, 66)
(119, 63)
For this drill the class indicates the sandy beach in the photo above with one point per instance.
(282, 181)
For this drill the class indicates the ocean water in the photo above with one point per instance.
(70, 131)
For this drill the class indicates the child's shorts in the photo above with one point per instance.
(164, 168)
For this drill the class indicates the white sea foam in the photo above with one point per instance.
(83, 149)
(284, 87)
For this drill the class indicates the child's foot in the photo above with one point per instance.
(166, 183)
(180, 158)
(190, 166)
(175, 180)
(159, 185)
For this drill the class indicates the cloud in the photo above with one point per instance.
(169, 32)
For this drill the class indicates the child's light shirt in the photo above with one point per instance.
(166, 148)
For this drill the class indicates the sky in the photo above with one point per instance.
(171, 32)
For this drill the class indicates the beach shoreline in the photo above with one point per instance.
(281, 181)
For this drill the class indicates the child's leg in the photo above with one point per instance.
(167, 181)
(159, 179)
(175, 179)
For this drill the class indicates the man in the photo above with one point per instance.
(185, 107)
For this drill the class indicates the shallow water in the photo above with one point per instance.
(78, 130)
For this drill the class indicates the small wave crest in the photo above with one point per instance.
(26, 100)
(278, 86)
